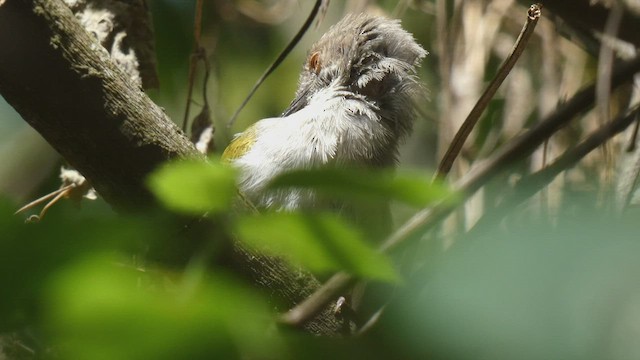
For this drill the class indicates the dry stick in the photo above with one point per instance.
(605, 62)
(280, 58)
(44, 198)
(195, 56)
(517, 149)
(443, 34)
(316, 302)
(533, 14)
(55, 200)
(628, 175)
(634, 136)
(603, 92)
(533, 183)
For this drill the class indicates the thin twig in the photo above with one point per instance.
(315, 303)
(443, 35)
(195, 56)
(629, 169)
(635, 98)
(544, 195)
(205, 80)
(373, 320)
(603, 91)
(533, 14)
(634, 136)
(549, 93)
(280, 58)
(202, 127)
(605, 62)
(44, 198)
(55, 200)
(424, 220)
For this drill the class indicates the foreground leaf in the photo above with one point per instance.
(410, 188)
(194, 186)
(319, 242)
(31, 253)
(103, 309)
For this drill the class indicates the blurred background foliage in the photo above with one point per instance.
(555, 279)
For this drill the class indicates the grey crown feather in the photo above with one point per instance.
(355, 98)
(372, 57)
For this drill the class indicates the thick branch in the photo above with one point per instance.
(65, 85)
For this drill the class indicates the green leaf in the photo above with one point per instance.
(32, 252)
(410, 188)
(319, 242)
(101, 308)
(194, 186)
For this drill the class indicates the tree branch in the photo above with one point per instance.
(65, 85)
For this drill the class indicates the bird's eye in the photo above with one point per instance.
(314, 62)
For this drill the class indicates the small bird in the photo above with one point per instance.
(354, 105)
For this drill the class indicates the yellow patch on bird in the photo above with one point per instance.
(240, 145)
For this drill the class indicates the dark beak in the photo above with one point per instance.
(298, 103)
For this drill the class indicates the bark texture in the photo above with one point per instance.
(63, 83)
(125, 29)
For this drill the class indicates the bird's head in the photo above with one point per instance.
(354, 103)
(372, 58)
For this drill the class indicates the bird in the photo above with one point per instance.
(354, 105)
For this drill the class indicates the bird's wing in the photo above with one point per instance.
(240, 145)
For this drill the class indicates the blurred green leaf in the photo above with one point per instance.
(194, 186)
(410, 188)
(101, 308)
(32, 252)
(319, 242)
(526, 290)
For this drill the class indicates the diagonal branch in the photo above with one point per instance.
(533, 15)
(318, 8)
(533, 183)
(65, 85)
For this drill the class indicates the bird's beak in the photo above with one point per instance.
(298, 103)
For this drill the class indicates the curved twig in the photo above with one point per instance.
(280, 58)
(533, 14)
(195, 56)
(53, 194)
